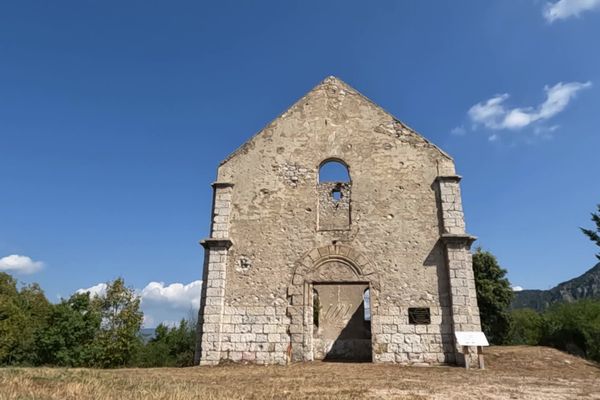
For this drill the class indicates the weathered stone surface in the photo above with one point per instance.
(277, 233)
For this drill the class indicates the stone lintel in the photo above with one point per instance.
(453, 238)
(217, 185)
(449, 178)
(210, 242)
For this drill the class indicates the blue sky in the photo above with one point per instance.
(115, 114)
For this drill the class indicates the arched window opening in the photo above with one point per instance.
(334, 191)
(334, 171)
(367, 305)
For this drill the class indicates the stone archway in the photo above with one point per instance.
(328, 264)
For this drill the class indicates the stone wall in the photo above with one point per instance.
(398, 228)
(334, 206)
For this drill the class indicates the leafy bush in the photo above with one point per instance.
(170, 347)
(574, 327)
(526, 327)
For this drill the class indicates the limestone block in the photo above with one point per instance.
(382, 338)
(387, 357)
(397, 338)
(248, 337)
(273, 338)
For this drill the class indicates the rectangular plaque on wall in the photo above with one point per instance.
(419, 316)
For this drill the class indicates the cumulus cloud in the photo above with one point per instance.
(563, 9)
(20, 264)
(170, 303)
(162, 303)
(96, 290)
(517, 288)
(175, 295)
(493, 113)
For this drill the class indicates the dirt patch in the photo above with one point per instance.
(517, 372)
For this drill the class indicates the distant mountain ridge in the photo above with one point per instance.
(147, 334)
(586, 286)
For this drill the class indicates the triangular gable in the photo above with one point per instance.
(394, 128)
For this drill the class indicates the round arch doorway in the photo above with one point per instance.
(339, 275)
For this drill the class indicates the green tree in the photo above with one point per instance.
(170, 347)
(23, 313)
(574, 327)
(73, 325)
(594, 234)
(36, 308)
(526, 327)
(494, 296)
(11, 317)
(117, 339)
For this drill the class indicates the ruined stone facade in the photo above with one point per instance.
(377, 267)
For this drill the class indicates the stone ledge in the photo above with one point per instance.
(456, 238)
(449, 178)
(221, 184)
(212, 242)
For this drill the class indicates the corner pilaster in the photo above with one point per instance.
(212, 298)
(457, 245)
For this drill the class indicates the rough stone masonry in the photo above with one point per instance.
(374, 265)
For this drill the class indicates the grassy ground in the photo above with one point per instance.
(512, 373)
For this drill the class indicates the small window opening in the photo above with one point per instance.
(336, 194)
(419, 316)
(334, 171)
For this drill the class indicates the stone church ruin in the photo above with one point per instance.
(370, 264)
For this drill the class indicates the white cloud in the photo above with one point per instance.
(459, 131)
(175, 295)
(162, 303)
(168, 304)
(563, 9)
(493, 114)
(517, 288)
(96, 290)
(488, 112)
(20, 264)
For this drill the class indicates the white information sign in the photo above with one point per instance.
(471, 339)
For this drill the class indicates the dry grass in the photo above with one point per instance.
(512, 373)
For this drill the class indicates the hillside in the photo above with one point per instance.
(586, 286)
